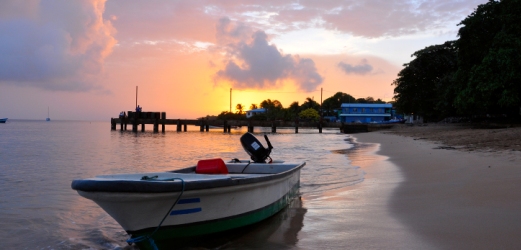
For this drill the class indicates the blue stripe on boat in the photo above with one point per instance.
(186, 201)
(186, 211)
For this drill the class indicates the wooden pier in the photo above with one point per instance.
(156, 119)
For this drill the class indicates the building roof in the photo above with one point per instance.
(366, 105)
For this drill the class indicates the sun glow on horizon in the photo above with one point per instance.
(186, 55)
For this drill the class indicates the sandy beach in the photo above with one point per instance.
(457, 187)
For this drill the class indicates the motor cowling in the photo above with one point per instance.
(254, 147)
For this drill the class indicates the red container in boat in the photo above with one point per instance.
(211, 166)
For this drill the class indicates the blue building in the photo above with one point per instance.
(250, 113)
(365, 112)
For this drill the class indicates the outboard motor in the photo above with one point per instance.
(254, 147)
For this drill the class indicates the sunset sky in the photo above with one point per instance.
(84, 58)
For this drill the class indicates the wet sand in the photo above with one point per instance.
(447, 196)
(352, 217)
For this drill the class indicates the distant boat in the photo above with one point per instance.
(48, 119)
(3, 120)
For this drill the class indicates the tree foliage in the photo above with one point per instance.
(335, 101)
(309, 114)
(310, 104)
(477, 74)
(226, 115)
(240, 108)
(490, 59)
(274, 109)
(423, 85)
(369, 99)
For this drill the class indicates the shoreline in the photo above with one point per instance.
(464, 136)
(453, 199)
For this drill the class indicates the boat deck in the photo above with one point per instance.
(240, 173)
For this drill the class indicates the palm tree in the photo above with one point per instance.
(273, 108)
(310, 103)
(277, 104)
(267, 104)
(294, 107)
(239, 108)
(254, 106)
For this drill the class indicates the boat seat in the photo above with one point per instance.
(211, 166)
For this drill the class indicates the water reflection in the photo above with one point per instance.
(278, 232)
(358, 153)
(39, 160)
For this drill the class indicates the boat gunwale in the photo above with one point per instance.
(134, 186)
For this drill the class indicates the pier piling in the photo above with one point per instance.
(250, 127)
(163, 118)
(156, 126)
(112, 124)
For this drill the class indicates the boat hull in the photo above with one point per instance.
(3, 120)
(168, 236)
(201, 211)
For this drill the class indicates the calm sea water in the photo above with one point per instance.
(38, 161)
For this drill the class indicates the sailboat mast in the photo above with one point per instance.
(47, 119)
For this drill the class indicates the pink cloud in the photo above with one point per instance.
(162, 20)
(55, 45)
(193, 20)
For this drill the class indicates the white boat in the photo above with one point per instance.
(3, 120)
(158, 208)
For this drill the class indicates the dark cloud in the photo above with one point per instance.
(260, 65)
(361, 69)
(54, 45)
(306, 74)
(228, 31)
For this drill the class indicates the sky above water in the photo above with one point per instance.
(84, 60)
